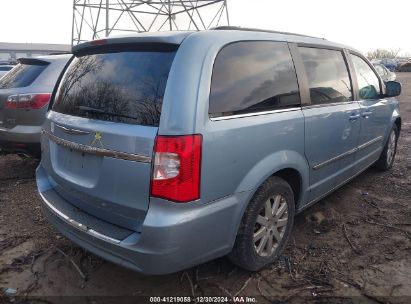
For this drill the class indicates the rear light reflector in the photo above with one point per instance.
(19, 145)
(27, 101)
(176, 170)
(98, 42)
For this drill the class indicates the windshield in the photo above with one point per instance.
(121, 86)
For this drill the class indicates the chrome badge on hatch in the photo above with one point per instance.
(97, 140)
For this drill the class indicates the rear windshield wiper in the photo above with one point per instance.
(99, 111)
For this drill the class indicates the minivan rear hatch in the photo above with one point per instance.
(98, 138)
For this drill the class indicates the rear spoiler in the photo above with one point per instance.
(103, 47)
(32, 61)
(146, 39)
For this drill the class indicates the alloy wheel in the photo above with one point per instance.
(391, 147)
(270, 226)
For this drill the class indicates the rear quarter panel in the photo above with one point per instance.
(238, 154)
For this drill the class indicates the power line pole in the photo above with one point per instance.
(107, 17)
(144, 15)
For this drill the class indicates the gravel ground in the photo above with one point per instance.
(348, 248)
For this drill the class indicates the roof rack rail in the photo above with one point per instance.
(239, 28)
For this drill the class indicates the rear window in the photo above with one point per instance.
(22, 75)
(120, 86)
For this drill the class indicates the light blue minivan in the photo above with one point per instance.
(165, 150)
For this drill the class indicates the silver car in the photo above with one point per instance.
(165, 150)
(24, 98)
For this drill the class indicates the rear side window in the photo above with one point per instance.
(5, 68)
(368, 83)
(22, 75)
(253, 76)
(327, 75)
(120, 86)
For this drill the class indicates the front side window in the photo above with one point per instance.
(327, 75)
(121, 85)
(22, 75)
(368, 83)
(253, 76)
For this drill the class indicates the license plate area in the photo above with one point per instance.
(75, 166)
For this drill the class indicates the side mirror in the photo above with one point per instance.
(393, 89)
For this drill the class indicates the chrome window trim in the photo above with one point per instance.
(345, 154)
(96, 151)
(332, 104)
(254, 114)
(78, 225)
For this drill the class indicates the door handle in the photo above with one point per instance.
(354, 117)
(366, 114)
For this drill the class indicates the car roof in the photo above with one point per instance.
(54, 57)
(238, 33)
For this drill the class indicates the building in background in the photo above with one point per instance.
(10, 52)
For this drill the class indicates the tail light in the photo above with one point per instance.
(177, 165)
(27, 101)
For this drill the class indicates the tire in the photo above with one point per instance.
(252, 254)
(387, 156)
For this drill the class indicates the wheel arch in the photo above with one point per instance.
(289, 165)
(294, 179)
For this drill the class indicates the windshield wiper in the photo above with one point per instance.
(99, 111)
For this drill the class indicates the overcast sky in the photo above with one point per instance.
(363, 24)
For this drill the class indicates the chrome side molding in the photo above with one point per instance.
(345, 154)
(368, 143)
(331, 160)
(96, 151)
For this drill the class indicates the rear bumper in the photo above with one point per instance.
(173, 236)
(25, 139)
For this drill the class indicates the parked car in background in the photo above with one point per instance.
(389, 63)
(405, 67)
(386, 75)
(24, 97)
(165, 150)
(4, 69)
